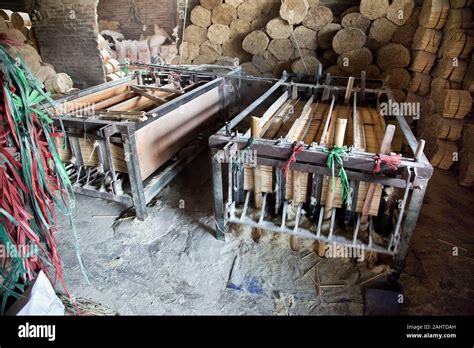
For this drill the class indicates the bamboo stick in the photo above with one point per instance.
(341, 124)
(385, 150)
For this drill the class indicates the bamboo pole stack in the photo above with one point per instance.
(269, 37)
(449, 104)
(18, 28)
(111, 65)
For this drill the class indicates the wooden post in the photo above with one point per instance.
(349, 87)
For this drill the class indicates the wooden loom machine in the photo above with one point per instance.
(127, 139)
(381, 210)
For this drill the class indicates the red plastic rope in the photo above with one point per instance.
(296, 148)
(4, 40)
(393, 161)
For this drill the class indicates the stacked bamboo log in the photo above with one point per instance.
(443, 42)
(14, 22)
(18, 28)
(269, 37)
(111, 65)
(109, 25)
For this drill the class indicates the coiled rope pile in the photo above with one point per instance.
(33, 181)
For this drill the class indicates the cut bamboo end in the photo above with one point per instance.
(456, 104)
(434, 13)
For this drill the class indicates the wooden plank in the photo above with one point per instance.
(114, 100)
(290, 120)
(90, 154)
(97, 97)
(273, 110)
(160, 140)
(315, 124)
(297, 182)
(274, 125)
(139, 102)
(385, 150)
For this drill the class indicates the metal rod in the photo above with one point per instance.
(356, 230)
(246, 205)
(262, 211)
(255, 104)
(333, 219)
(320, 221)
(402, 208)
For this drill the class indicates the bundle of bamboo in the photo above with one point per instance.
(449, 105)
(267, 41)
(36, 186)
(19, 31)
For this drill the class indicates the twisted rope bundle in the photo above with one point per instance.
(334, 156)
(393, 161)
(296, 148)
(33, 180)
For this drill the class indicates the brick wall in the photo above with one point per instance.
(13, 5)
(66, 32)
(161, 12)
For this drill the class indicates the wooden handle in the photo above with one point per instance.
(256, 128)
(387, 140)
(419, 150)
(350, 84)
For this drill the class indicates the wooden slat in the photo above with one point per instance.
(114, 100)
(97, 97)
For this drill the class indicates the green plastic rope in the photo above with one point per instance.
(29, 98)
(237, 166)
(335, 156)
(124, 67)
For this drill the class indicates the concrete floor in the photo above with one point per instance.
(171, 264)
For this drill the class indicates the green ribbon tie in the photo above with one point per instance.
(335, 156)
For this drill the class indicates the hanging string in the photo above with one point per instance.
(393, 161)
(34, 183)
(335, 156)
(296, 149)
(294, 38)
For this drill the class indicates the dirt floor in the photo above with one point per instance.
(171, 263)
(437, 279)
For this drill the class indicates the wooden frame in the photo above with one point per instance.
(411, 177)
(151, 126)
